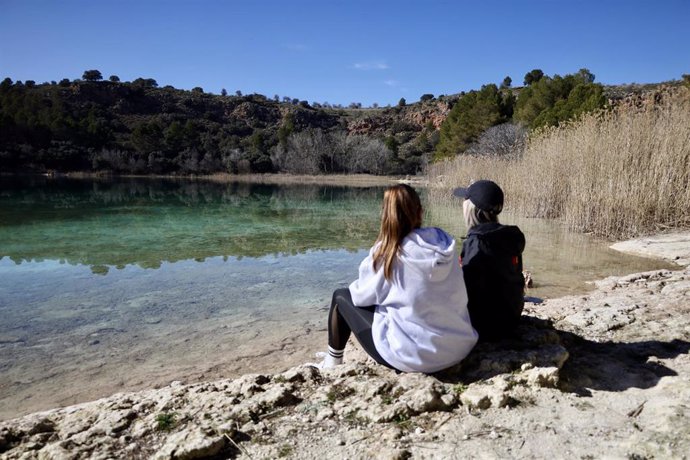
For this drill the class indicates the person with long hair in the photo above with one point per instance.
(408, 307)
(491, 262)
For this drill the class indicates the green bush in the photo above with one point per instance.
(550, 101)
(473, 114)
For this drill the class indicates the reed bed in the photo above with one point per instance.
(619, 173)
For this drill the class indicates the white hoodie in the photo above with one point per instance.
(421, 322)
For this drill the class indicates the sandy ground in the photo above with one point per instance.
(600, 375)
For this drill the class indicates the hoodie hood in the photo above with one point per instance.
(431, 250)
(498, 239)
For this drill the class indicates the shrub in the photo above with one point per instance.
(500, 140)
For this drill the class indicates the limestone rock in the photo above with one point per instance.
(389, 413)
(388, 453)
(42, 425)
(604, 318)
(190, 444)
(426, 397)
(280, 395)
(674, 247)
(55, 451)
(540, 377)
(492, 393)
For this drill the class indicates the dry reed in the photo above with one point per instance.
(620, 173)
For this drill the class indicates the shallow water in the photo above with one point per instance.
(109, 285)
(561, 262)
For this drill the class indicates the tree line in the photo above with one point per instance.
(137, 127)
(97, 124)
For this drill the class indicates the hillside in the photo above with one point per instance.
(139, 128)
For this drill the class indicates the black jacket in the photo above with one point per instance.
(492, 267)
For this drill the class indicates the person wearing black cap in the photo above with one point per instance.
(491, 262)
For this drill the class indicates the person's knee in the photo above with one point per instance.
(342, 297)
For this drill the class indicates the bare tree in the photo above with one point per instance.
(188, 159)
(301, 153)
(368, 155)
(500, 140)
(316, 151)
(233, 159)
(361, 154)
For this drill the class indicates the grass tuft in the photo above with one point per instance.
(285, 450)
(165, 421)
(338, 392)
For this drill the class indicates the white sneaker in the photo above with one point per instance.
(327, 361)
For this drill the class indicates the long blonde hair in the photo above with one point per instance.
(400, 214)
(475, 216)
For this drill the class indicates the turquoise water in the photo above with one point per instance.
(146, 223)
(109, 285)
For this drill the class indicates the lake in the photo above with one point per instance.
(122, 284)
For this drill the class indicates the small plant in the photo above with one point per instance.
(459, 389)
(165, 420)
(337, 392)
(279, 379)
(285, 450)
(354, 418)
(310, 408)
(389, 397)
(403, 421)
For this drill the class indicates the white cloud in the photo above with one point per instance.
(370, 65)
(392, 83)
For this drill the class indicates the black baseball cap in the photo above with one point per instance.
(484, 194)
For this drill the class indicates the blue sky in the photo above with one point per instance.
(343, 51)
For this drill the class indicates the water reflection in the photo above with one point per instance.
(114, 223)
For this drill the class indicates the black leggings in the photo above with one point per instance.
(344, 318)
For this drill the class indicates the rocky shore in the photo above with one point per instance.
(601, 375)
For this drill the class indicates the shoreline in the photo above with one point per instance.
(611, 366)
(352, 180)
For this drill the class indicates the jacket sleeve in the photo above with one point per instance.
(371, 287)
